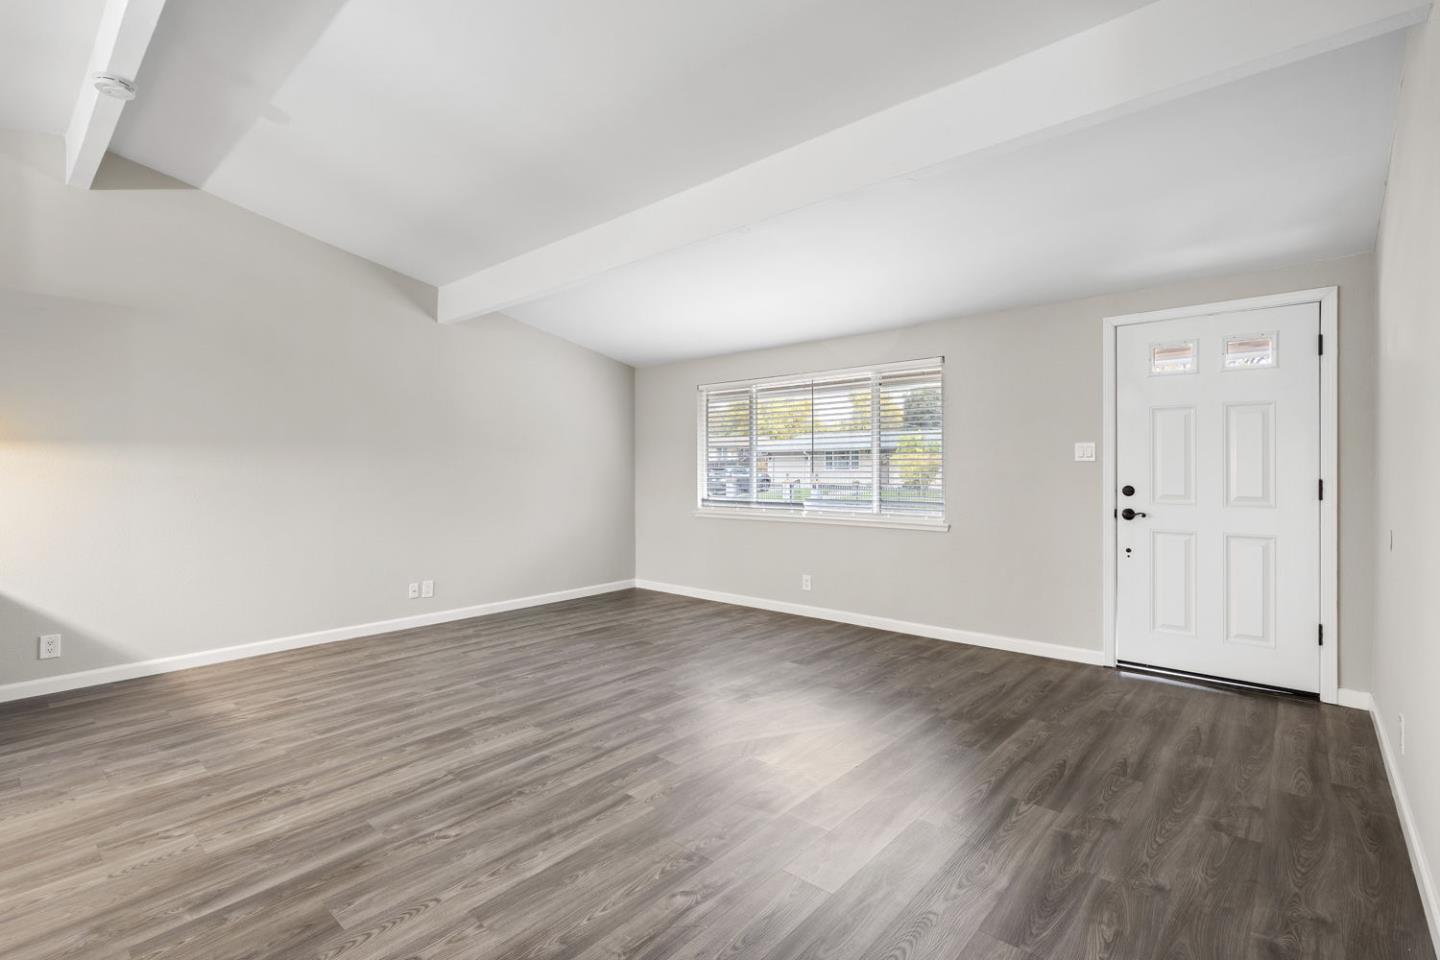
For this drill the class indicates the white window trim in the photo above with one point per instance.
(781, 380)
(939, 524)
(883, 522)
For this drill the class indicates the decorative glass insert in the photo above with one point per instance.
(1249, 352)
(1168, 359)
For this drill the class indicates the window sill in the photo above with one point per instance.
(718, 513)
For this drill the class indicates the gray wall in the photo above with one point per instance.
(215, 430)
(1407, 637)
(1022, 557)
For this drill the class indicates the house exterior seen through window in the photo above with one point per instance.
(858, 444)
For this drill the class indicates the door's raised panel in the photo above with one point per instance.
(1250, 454)
(1250, 590)
(1172, 455)
(1172, 582)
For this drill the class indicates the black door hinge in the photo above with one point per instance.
(1322, 635)
(1322, 488)
(1322, 344)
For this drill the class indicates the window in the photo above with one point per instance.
(856, 445)
(1251, 352)
(1168, 359)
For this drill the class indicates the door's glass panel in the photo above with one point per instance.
(1249, 352)
(1167, 359)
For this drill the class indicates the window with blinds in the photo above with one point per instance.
(860, 444)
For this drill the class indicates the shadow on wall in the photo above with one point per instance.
(117, 173)
(142, 237)
(22, 625)
(35, 720)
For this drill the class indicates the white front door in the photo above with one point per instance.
(1217, 495)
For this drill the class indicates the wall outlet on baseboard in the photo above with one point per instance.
(50, 646)
(414, 592)
(427, 588)
(1402, 734)
(804, 581)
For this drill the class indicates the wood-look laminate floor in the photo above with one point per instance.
(642, 775)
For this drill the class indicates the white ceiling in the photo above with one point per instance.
(536, 138)
(1285, 166)
(44, 47)
(441, 136)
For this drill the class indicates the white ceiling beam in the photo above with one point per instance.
(126, 27)
(1160, 52)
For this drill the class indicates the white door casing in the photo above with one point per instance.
(1223, 570)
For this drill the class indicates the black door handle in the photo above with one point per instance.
(1129, 514)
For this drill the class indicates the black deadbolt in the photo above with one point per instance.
(1128, 490)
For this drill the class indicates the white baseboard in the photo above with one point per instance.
(145, 668)
(1429, 893)
(1355, 699)
(1054, 651)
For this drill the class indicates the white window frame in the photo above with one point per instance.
(891, 521)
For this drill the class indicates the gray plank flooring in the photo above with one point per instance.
(645, 776)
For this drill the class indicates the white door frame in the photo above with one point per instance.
(1328, 614)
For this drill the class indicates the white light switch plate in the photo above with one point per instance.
(427, 588)
(1084, 452)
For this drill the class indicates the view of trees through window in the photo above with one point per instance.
(858, 443)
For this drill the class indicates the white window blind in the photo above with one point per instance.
(858, 444)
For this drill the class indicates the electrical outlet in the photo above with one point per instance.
(804, 581)
(1402, 734)
(427, 588)
(50, 646)
(414, 591)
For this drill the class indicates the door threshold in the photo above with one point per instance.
(1201, 679)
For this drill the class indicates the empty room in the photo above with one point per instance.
(745, 479)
